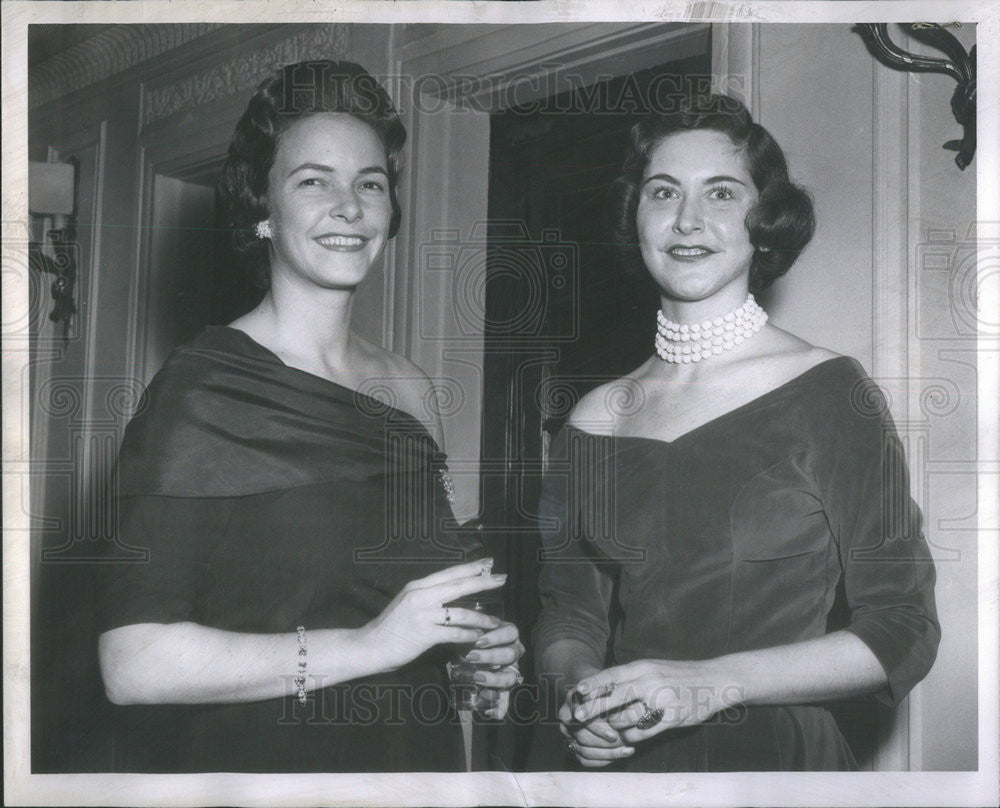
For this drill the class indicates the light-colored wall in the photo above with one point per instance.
(443, 282)
(837, 128)
(942, 215)
(817, 104)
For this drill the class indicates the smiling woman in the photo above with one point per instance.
(702, 537)
(691, 222)
(292, 614)
(328, 195)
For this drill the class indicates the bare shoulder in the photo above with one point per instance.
(592, 413)
(600, 409)
(793, 354)
(408, 387)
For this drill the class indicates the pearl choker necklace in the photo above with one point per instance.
(691, 342)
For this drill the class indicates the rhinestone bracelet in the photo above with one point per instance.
(300, 680)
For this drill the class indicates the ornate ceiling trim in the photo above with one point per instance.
(244, 72)
(113, 50)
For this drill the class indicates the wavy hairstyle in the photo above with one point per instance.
(290, 93)
(780, 225)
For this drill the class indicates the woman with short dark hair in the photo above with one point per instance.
(289, 94)
(287, 483)
(781, 223)
(701, 537)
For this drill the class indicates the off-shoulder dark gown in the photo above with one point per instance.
(734, 537)
(269, 498)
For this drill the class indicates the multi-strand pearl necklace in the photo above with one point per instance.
(692, 342)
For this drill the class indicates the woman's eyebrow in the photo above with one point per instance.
(708, 181)
(664, 177)
(311, 167)
(723, 178)
(331, 169)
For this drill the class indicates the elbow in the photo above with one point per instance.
(123, 671)
(117, 694)
(919, 657)
(120, 692)
(930, 641)
(114, 671)
(117, 689)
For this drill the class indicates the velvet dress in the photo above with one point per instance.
(736, 536)
(266, 498)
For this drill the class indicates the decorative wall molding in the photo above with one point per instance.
(244, 72)
(892, 183)
(480, 65)
(113, 50)
(736, 62)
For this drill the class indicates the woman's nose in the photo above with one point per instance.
(345, 205)
(689, 217)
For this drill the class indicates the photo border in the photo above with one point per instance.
(549, 789)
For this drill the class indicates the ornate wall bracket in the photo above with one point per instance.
(53, 204)
(960, 65)
(57, 257)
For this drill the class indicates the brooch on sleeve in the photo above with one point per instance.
(448, 484)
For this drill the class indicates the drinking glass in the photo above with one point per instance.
(466, 694)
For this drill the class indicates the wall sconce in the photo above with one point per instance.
(52, 196)
(960, 65)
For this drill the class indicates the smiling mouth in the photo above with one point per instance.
(694, 253)
(342, 242)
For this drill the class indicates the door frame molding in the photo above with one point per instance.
(533, 58)
(475, 70)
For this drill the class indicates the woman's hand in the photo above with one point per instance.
(417, 618)
(500, 648)
(646, 697)
(594, 744)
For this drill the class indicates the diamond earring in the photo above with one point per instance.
(263, 229)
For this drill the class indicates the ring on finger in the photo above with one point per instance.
(447, 616)
(518, 676)
(571, 745)
(649, 718)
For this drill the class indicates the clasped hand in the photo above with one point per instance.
(613, 709)
(417, 619)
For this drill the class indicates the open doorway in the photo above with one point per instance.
(564, 313)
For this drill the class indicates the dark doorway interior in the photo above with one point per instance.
(564, 313)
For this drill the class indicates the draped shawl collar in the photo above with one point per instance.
(226, 417)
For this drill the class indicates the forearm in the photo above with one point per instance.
(674, 693)
(567, 661)
(187, 663)
(836, 666)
